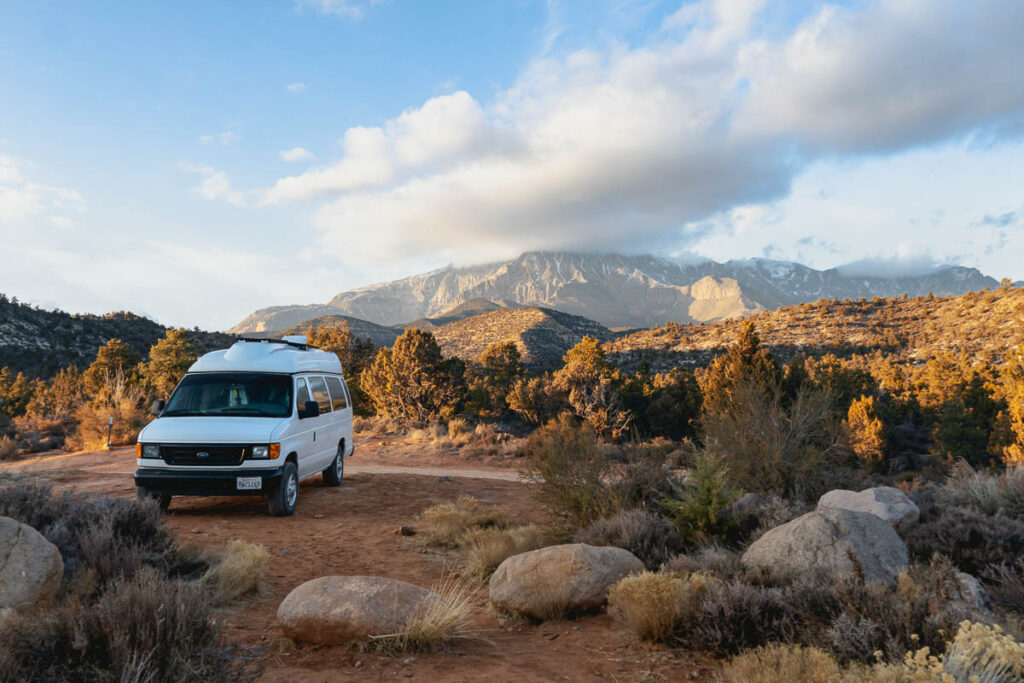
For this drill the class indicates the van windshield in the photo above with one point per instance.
(247, 394)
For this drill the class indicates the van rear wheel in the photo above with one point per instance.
(285, 496)
(163, 500)
(336, 471)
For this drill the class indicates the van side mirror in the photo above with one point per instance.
(309, 409)
(158, 406)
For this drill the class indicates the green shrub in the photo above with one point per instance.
(570, 468)
(700, 511)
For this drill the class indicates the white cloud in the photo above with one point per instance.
(22, 198)
(295, 154)
(632, 147)
(296, 87)
(226, 138)
(346, 9)
(215, 185)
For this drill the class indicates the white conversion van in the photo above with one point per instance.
(256, 418)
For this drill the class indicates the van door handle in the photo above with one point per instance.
(314, 436)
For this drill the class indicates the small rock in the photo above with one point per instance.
(746, 504)
(406, 531)
(835, 542)
(318, 516)
(567, 577)
(884, 502)
(445, 479)
(31, 567)
(971, 592)
(338, 609)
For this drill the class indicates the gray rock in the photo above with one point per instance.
(339, 609)
(835, 542)
(558, 579)
(30, 566)
(885, 502)
(971, 592)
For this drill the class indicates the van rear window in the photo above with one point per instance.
(248, 394)
(337, 393)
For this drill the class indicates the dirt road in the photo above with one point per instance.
(352, 530)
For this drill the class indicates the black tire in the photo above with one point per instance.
(335, 472)
(163, 500)
(285, 496)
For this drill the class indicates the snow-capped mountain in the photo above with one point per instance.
(616, 290)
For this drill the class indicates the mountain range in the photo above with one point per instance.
(614, 290)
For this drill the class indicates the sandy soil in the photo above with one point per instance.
(352, 530)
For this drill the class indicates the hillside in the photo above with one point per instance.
(542, 335)
(460, 312)
(361, 329)
(984, 325)
(616, 290)
(39, 342)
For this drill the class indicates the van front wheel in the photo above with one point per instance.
(335, 472)
(283, 498)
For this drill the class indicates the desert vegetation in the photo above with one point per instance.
(131, 604)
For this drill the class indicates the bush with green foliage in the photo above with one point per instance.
(700, 509)
(412, 382)
(169, 360)
(570, 468)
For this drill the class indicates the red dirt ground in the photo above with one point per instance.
(352, 530)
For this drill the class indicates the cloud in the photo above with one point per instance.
(296, 87)
(1000, 221)
(295, 154)
(634, 147)
(215, 185)
(22, 198)
(226, 138)
(905, 265)
(345, 9)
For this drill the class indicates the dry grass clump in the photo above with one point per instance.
(778, 663)
(439, 620)
(447, 523)
(987, 493)
(487, 548)
(652, 604)
(242, 570)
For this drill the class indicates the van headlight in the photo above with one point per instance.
(150, 450)
(270, 451)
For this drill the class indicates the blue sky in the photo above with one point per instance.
(196, 160)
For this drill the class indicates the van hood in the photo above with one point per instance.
(200, 429)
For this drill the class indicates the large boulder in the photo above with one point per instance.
(558, 579)
(833, 542)
(338, 609)
(890, 504)
(30, 566)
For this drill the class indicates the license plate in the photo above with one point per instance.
(248, 483)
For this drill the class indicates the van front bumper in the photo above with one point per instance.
(204, 483)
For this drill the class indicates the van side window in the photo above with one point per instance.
(320, 395)
(301, 393)
(338, 399)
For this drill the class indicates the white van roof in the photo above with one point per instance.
(283, 356)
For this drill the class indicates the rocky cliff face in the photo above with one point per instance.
(615, 290)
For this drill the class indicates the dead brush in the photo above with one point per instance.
(446, 524)
(487, 548)
(651, 604)
(436, 623)
(241, 571)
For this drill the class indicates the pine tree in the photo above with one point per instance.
(169, 360)
(864, 432)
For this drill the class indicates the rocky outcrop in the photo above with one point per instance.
(885, 502)
(339, 609)
(559, 579)
(30, 566)
(833, 542)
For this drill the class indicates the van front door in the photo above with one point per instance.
(304, 431)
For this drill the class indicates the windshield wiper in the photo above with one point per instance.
(182, 411)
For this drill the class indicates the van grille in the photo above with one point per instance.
(211, 455)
